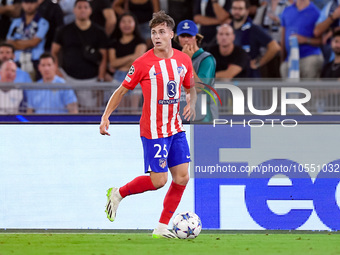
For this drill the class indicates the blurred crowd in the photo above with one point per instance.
(91, 41)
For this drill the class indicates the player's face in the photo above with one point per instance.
(336, 45)
(186, 39)
(127, 25)
(239, 10)
(8, 72)
(225, 36)
(82, 11)
(6, 53)
(161, 36)
(47, 69)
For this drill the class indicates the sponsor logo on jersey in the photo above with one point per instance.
(168, 101)
(171, 87)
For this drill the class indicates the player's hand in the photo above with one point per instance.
(104, 126)
(189, 112)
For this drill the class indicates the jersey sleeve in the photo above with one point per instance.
(133, 76)
(188, 81)
(262, 37)
(43, 27)
(11, 31)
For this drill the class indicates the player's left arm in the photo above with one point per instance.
(111, 106)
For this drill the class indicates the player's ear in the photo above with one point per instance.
(172, 34)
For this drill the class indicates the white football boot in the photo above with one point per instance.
(113, 200)
(163, 233)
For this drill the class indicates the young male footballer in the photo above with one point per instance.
(161, 72)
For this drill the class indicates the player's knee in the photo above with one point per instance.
(159, 182)
(183, 180)
(186, 179)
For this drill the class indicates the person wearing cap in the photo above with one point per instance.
(28, 35)
(204, 67)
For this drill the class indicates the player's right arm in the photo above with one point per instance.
(110, 107)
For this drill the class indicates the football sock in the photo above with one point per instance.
(171, 201)
(136, 186)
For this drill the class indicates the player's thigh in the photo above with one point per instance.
(179, 152)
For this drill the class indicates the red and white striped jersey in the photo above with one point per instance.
(161, 81)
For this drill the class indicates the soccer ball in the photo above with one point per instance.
(187, 225)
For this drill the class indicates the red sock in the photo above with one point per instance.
(136, 186)
(171, 201)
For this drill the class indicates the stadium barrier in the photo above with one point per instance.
(245, 177)
(325, 95)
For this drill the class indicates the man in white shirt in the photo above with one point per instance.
(10, 99)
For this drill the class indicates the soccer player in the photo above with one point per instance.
(161, 71)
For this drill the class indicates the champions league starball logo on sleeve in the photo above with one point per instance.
(290, 96)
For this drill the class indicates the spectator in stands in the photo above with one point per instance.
(231, 60)
(8, 11)
(28, 36)
(126, 48)
(67, 8)
(204, 68)
(254, 5)
(83, 45)
(143, 10)
(7, 53)
(327, 23)
(209, 14)
(51, 11)
(332, 69)
(10, 99)
(268, 17)
(48, 101)
(103, 15)
(299, 20)
(252, 37)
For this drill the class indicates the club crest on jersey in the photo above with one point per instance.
(162, 162)
(171, 88)
(131, 70)
(180, 71)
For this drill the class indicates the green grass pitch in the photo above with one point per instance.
(142, 243)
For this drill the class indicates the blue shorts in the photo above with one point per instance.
(163, 153)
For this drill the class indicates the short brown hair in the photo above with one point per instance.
(247, 3)
(77, 1)
(7, 45)
(46, 55)
(160, 18)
